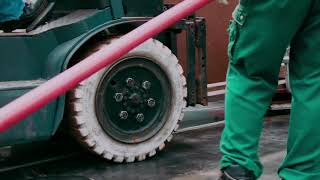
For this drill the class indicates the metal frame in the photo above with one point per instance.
(191, 25)
(196, 70)
(201, 35)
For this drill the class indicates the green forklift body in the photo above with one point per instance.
(30, 59)
(64, 5)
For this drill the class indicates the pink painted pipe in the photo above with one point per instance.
(32, 101)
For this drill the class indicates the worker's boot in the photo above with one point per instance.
(236, 172)
(32, 9)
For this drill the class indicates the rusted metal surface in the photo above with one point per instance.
(195, 69)
(202, 64)
(218, 17)
(191, 65)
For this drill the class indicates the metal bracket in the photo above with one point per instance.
(202, 85)
(191, 62)
(196, 60)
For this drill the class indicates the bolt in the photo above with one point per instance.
(146, 85)
(130, 82)
(118, 97)
(151, 102)
(123, 115)
(140, 117)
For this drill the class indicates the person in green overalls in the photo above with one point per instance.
(260, 32)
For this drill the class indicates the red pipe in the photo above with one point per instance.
(32, 101)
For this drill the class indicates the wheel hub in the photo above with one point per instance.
(133, 100)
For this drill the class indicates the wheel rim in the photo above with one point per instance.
(133, 100)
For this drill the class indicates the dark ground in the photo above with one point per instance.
(191, 155)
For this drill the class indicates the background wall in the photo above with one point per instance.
(218, 17)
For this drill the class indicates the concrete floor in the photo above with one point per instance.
(193, 155)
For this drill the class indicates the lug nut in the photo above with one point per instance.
(146, 85)
(130, 82)
(151, 102)
(118, 97)
(140, 117)
(123, 115)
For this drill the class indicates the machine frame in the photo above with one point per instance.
(30, 58)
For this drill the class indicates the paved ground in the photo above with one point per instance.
(193, 155)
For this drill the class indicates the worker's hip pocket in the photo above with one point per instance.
(236, 26)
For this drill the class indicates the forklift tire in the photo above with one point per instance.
(97, 120)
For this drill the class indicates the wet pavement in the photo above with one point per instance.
(192, 155)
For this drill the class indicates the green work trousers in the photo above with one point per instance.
(260, 32)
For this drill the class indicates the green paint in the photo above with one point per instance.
(117, 8)
(142, 8)
(259, 35)
(40, 56)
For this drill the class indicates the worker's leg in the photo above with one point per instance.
(258, 40)
(11, 9)
(303, 156)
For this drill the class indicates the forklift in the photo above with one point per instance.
(126, 112)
